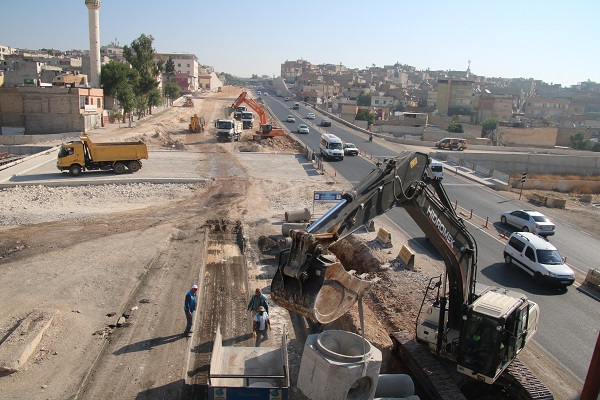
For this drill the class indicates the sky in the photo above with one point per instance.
(555, 41)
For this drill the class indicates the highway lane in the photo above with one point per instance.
(569, 320)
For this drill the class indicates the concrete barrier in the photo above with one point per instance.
(384, 237)
(482, 171)
(453, 160)
(407, 256)
(592, 279)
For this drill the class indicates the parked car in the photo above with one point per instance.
(303, 129)
(325, 122)
(539, 258)
(311, 116)
(529, 221)
(350, 149)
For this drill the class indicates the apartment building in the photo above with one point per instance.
(538, 107)
(186, 64)
(291, 70)
(453, 93)
(493, 106)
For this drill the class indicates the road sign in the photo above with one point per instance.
(524, 177)
(327, 196)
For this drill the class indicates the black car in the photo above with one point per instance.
(325, 123)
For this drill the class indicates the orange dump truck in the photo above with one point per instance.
(81, 155)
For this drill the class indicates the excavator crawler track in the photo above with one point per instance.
(517, 382)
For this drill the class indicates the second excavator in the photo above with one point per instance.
(265, 130)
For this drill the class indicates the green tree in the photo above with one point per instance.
(364, 99)
(126, 98)
(489, 125)
(455, 127)
(114, 74)
(579, 142)
(141, 57)
(154, 99)
(171, 91)
(170, 66)
(365, 115)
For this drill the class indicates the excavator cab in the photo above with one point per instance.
(265, 129)
(310, 281)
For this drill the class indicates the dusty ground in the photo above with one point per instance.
(91, 252)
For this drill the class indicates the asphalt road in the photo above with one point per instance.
(568, 325)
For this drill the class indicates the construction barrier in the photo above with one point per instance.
(384, 237)
(407, 256)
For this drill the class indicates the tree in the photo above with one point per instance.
(365, 115)
(126, 98)
(141, 57)
(489, 125)
(154, 99)
(364, 99)
(171, 91)
(114, 74)
(579, 142)
(455, 127)
(170, 67)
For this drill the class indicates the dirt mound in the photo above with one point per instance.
(267, 244)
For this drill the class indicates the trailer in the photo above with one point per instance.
(260, 373)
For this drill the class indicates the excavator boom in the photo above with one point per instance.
(265, 130)
(311, 282)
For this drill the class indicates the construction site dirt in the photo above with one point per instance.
(97, 252)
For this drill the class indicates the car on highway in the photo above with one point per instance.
(303, 129)
(325, 122)
(290, 118)
(350, 149)
(528, 221)
(540, 259)
(311, 116)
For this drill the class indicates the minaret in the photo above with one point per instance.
(94, 22)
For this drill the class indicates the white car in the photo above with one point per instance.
(540, 259)
(528, 221)
(303, 129)
(311, 116)
(290, 118)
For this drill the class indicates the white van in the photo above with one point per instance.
(331, 146)
(437, 168)
(536, 256)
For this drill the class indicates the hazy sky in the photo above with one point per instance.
(556, 41)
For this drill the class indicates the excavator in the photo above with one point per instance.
(265, 130)
(196, 124)
(478, 328)
(188, 102)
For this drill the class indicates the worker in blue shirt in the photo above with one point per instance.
(189, 306)
(256, 301)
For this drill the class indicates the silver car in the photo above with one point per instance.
(528, 221)
(303, 129)
(290, 118)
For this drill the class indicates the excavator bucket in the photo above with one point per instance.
(322, 291)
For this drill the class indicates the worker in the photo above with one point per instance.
(370, 137)
(189, 306)
(260, 325)
(257, 300)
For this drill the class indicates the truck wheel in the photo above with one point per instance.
(119, 168)
(75, 170)
(134, 166)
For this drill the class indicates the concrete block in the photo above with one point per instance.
(384, 237)
(22, 342)
(339, 365)
(407, 256)
(592, 278)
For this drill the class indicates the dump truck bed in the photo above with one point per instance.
(116, 151)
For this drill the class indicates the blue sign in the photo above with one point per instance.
(328, 196)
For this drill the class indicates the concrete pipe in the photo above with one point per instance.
(287, 227)
(394, 386)
(297, 215)
(284, 243)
